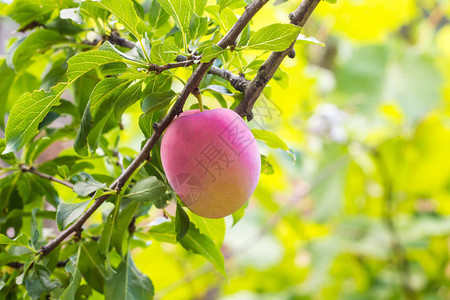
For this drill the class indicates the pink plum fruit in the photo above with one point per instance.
(212, 161)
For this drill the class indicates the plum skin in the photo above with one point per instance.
(211, 160)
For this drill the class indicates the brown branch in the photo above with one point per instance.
(237, 81)
(192, 83)
(115, 39)
(119, 161)
(271, 65)
(33, 170)
(19, 265)
(159, 68)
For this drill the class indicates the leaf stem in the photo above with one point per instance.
(198, 95)
(143, 50)
(34, 171)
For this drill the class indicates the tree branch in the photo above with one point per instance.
(237, 81)
(119, 161)
(270, 66)
(115, 39)
(19, 265)
(192, 83)
(159, 68)
(33, 170)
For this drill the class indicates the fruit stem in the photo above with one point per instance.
(198, 95)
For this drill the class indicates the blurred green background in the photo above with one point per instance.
(362, 212)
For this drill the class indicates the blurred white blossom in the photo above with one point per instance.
(328, 121)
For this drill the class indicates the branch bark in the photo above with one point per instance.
(237, 81)
(33, 170)
(159, 68)
(192, 84)
(270, 66)
(115, 39)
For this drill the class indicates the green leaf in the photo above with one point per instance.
(119, 236)
(113, 68)
(128, 283)
(180, 10)
(181, 222)
(38, 282)
(93, 10)
(6, 80)
(128, 97)
(87, 185)
(231, 3)
(69, 212)
(125, 13)
(238, 215)
(218, 89)
(143, 48)
(213, 228)
(302, 39)
(164, 53)
(164, 232)
(25, 12)
(26, 114)
(211, 52)
(97, 112)
(275, 37)
(105, 239)
(104, 95)
(198, 27)
(157, 16)
(198, 6)
(34, 228)
(9, 158)
(87, 124)
(92, 265)
(270, 139)
(145, 124)
(157, 101)
(75, 280)
(157, 83)
(266, 166)
(38, 41)
(85, 61)
(20, 240)
(244, 36)
(282, 78)
(225, 18)
(130, 55)
(6, 258)
(146, 190)
(44, 187)
(63, 171)
(203, 245)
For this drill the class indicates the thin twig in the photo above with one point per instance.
(237, 81)
(19, 265)
(159, 68)
(115, 39)
(271, 65)
(119, 157)
(33, 170)
(192, 83)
